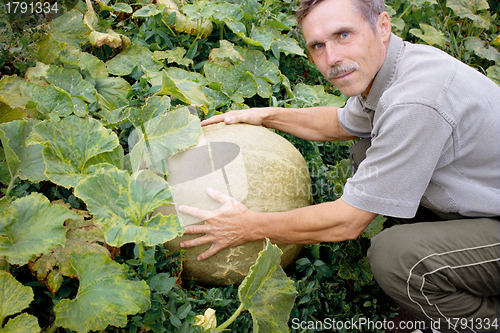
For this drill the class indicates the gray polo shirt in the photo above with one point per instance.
(435, 129)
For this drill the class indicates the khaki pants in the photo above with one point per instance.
(444, 272)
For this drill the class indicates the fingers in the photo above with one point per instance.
(207, 239)
(250, 116)
(210, 252)
(196, 212)
(213, 120)
(218, 196)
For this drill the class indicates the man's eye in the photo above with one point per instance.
(318, 46)
(344, 35)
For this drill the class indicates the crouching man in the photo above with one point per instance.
(430, 127)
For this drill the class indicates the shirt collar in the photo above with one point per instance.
(386, 73)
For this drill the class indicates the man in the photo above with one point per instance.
(434, 152)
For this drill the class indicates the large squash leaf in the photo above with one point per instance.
(163, 136)
(123, 205)
(235, 81)
(137, 55)
(154, 107)
(10, 91)
(180, 84)
(105, 296)
(61, 45)
(82, 236)
(71, 81)
(48, 102)
(264, 72)
(14, 297)
(31, 227)
(8, 114)
(75, 148)
(481, 49)
(111, 92)
(494, 74)
(429, 34)
(471, 9)
(23, 161)
(267, 292)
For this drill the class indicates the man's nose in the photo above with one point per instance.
(333, 54)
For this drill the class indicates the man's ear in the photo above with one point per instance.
(384, 26)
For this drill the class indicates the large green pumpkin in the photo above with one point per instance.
(252, 164)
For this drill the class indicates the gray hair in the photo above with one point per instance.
(369, 9)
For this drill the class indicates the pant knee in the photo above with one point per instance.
(389, 257)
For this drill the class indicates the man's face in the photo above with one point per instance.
(343, 45)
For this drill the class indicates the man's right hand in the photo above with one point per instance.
(253, 116)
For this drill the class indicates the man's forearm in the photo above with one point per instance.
(328, 222)
(315, 124)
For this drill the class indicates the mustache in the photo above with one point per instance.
(339, 70)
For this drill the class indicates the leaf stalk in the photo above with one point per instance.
(228, 322)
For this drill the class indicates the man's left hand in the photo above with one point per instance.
(228, 226)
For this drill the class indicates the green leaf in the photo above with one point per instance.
(91, 66)
(8, 114)
(478, 47)
(105, 296)
(224, 54)
(112, 92)
(115, 117)
(305, 95)
(263, 71)
(25, 162)
(420, 3)
(470, 9)
(24, 323)
(14, 297)
(227, 12)
(4, 172)
(122, 205)
(238, 28)
(81, 237)
(235, 82)
(154, 107)
(71, 81)
(287, 45)
(339, 175)
(70, 29)
(180, 84)
(72, 146)
(267, 292)
(147, 11)
(136, 55)
(265, 35)
(48, 102)
(496, 41)
(493, 73)
(374, 227)
(10, 91)
(327, 99)
(164, 136)
(162, 283)
(358, 270)
(173, 56)
(31, 227)
(122, 8)
(430, 35)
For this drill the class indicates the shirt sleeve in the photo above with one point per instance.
(407, 143)
(354, 119)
